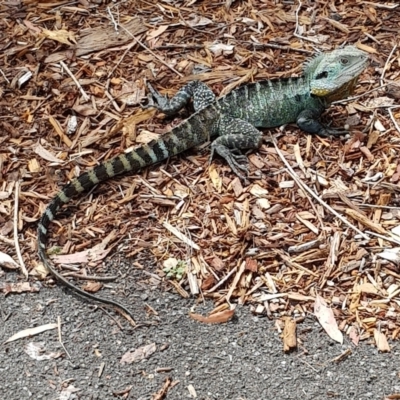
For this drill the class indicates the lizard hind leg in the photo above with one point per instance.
(201, 94)
(235, 135)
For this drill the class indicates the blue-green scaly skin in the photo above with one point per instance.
(231, 120)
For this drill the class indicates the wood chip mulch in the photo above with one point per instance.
(73, 78)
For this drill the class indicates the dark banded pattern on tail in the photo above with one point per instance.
(234, 118)
(189, 133)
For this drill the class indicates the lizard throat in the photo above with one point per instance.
(339, 94)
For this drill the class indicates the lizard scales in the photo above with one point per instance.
(232, 119)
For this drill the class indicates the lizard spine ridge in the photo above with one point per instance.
(232, 119)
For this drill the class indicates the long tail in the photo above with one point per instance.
(78, 185)
(168, 145)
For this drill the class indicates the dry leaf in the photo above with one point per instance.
(327, 320)
(7, 262)
(146, 137)
(354, 335)
(378, 102)
(217, 263)
(366, 288)
(392, 254)
(31, 332)
(62, 36)
(219, 48)
(208, 282)
(40, 271)
(258, 191)
(85, 109)
(92, 286)
(131, 93)
(139, 354)
(198, 21)
(217, 318)
(45, 154)
(94, 254)
(36, 350)
(381, 341)
(180, 236)
(18, 287)
(67, 393)
(157, 32)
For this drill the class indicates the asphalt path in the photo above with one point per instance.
(242, 359)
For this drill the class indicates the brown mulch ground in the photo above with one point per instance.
(73, 76)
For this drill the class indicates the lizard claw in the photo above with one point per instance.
(237, 162)
(328, 132)
(155, 99)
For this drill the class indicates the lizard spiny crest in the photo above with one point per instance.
(232, 122)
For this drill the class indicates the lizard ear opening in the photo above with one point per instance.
(322, 75)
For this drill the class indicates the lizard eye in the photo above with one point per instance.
(322, 75)
(344, 61)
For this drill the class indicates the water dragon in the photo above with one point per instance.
(232, 122)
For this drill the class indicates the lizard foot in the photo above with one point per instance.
(237, 161)
(155, 99)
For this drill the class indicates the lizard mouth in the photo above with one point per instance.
(331, 95)
(325, 90)
(320, 92)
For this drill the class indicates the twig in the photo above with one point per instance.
(315, 41)
(85, 96)
(378, 206)
(308, 364)
(222, 281)
(279, 47)
(372, 38)
(179, 46)
(389, 239)
(1, 71)
(360, 95)
(236, 281)
(59, 336)
(17, 248)
(381, 82)
(386, 64)
(113, 102)
(321, 222)
(114, 319)
(151, 52)
(180, 236)
(112, 19)
(305, 187)
(120, 60)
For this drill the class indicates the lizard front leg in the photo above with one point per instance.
(235, 135)
(201, 94)
(308, 121)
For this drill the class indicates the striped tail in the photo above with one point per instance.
(78, 185)
(181, 138)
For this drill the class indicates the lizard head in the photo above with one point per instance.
(333, 75)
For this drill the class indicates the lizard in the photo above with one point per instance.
(232, 122)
